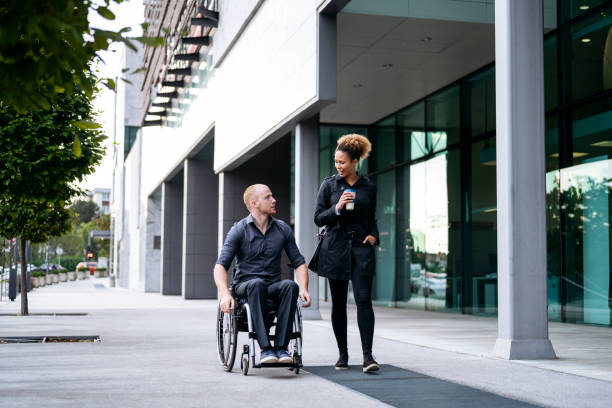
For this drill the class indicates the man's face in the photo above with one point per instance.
(265, 202)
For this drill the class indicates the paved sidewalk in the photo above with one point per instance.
(159, 351)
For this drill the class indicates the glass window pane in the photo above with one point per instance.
(585, 204)
(552, 143)
(553, 226)
(591, 60)
(481, 91)
(591, 132)
(429, 228)
(383, 287)
(574, 8)
(411, 131)
(443, 125)
(383, 145)
(551, 78)
(484, 228)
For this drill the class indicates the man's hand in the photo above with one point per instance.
(227, 303)
(305, 297)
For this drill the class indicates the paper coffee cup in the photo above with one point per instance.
(351, 206)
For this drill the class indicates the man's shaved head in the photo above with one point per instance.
(252, 193)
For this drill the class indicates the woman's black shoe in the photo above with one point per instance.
(342, 363)
(369, 364)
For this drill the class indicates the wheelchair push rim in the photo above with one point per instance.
(227, 338)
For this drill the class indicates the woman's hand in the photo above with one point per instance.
(346, 197)
(371, 239)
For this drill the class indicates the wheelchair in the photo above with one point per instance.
(230, 324)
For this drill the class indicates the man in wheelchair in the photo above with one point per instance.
(257, 242)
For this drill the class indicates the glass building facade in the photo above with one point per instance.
(435, 168)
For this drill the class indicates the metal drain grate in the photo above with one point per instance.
(45, 314)
(49, 339)
(99, 286)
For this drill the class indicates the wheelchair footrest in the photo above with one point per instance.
(286, 365)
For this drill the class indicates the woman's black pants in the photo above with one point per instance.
(362, 291)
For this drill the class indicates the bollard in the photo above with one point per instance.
(111, 280)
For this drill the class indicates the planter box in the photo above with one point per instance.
(48, 279)
(72, 276)
(99, 274)
(82, 274)
(55, 278)
(63, 277)
(33, 282)
(41, 281)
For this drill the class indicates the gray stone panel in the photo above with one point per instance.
(171, 238)
(199, 229)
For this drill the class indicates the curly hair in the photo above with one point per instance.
(356, 146)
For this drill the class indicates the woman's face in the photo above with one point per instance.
(344, 164)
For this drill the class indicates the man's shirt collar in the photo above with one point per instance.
(250, 220)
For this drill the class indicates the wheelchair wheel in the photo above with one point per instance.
(244, 364)
(227, 339)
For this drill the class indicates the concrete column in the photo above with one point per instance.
(200, 213)
(306, 189)
(152, 251)
(171, 239)
(521, 234)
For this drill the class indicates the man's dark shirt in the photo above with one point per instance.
(258, 255)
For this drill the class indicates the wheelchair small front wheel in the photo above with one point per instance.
(244, 364)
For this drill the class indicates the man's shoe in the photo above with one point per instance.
(268, 356)
(342, 363)
(369, 364)
(283, 356)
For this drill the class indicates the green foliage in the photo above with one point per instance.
(38, 160)
(84, 210)
(34, 222)
(70, 262)
(48, 48)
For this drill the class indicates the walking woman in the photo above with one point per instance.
(346, 205)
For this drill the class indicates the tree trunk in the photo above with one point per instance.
(24, 278)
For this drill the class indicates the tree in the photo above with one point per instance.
(48, 48)
(43, 153)
(34, 222)
(84, 210)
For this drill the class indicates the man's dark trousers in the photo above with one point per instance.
(284, 293)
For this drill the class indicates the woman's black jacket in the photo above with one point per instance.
(347, 231)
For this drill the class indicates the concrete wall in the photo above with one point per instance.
(171, 238)
(200, 212)
(152, 255)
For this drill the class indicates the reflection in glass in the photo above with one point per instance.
(383, 145)
(575, 8)
(591, 59)
(411, 127)
(551, 79)
(484, 228)
(553, 220)
(586, 192)
(481, 91)
(430, 274)
(443, 125)
(383, 288)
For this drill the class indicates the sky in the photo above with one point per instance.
(128, 14)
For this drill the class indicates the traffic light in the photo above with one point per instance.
(89, 252)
